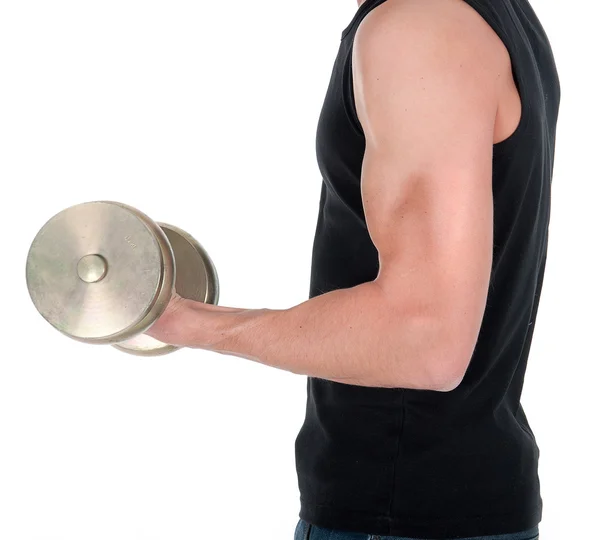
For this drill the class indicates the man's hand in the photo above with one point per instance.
(167, 327)
(186, 323)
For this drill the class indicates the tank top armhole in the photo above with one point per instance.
(484, 12)
(348, 96)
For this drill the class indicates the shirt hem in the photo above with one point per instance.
(346, 520)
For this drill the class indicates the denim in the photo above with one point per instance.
(306, 531)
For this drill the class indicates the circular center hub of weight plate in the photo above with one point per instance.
(92, 268)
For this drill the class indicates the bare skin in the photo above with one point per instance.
(430, 117)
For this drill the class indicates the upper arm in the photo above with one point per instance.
(426, 83)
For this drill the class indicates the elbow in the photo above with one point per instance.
(453, 343)
(440, 348)
(448, 384)
(448, 365)
(447, 371)
(444, 379)
(438, 365)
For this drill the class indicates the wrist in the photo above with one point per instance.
(235, 332)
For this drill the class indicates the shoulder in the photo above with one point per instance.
(428, 71)
(401, 31)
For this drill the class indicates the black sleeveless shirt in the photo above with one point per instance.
(420, 463)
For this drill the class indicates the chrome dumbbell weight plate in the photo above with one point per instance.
(103, 272)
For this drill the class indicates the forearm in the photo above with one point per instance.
(347, 335)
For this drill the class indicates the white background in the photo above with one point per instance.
(203, 114)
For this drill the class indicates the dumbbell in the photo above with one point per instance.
(103, 272)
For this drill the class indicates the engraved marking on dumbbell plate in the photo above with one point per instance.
(128, 239)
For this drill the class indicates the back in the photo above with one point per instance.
(418, 463)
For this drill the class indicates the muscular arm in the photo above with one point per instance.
(426, 79)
